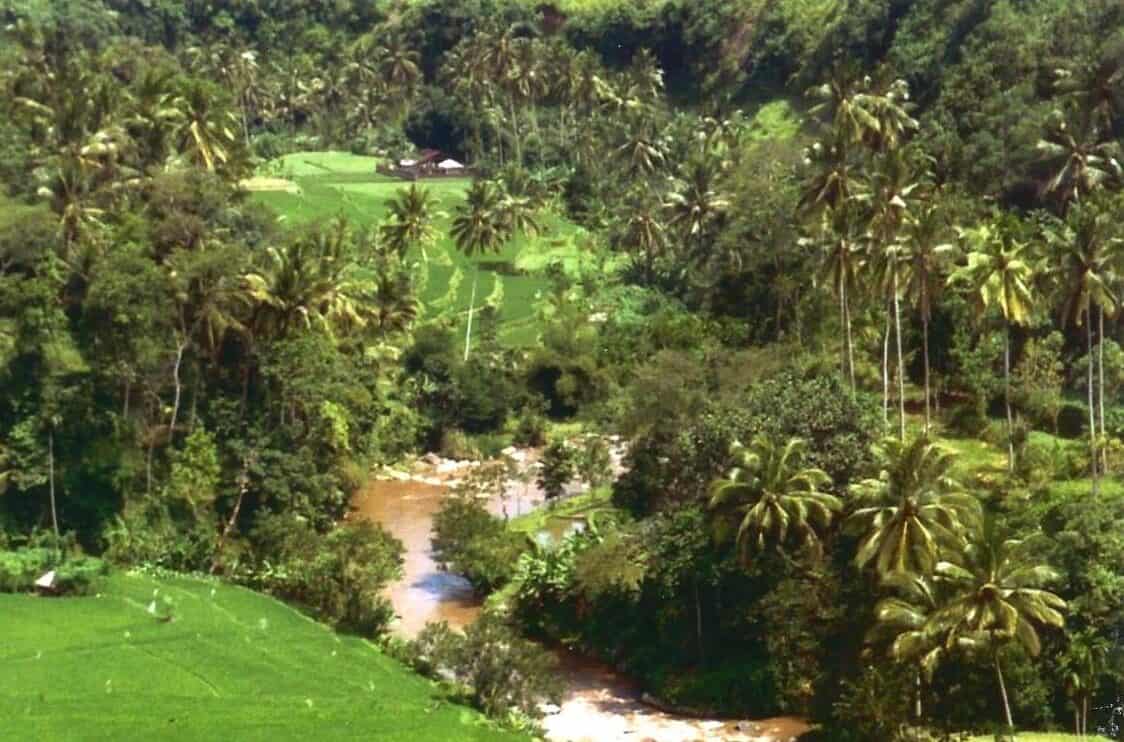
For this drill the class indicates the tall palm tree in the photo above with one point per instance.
(479, 226)
(1089, 254)
(997, 597)
(901, 620)
(1085, 662)
(412, 213)
(203, 130)
(780, 501)
(886, 197)
(928, 255)
(1083, 159)
(843, 252)
(999, 274)
(645, 232)
(915, 513)
(696, 205)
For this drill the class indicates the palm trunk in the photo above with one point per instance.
(51, 482)
(1092, 410)
(1007, 399)
(698, 624)
(1100, 392)
(925, 350)
(471, 306)
(901, 364)
(243, 486)
(843, 322)
(886, 374)
(1003, 693)
(850, 342)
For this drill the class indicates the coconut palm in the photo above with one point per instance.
(781, 502)
(928, 252)
(843, 251)
(915, 513)
(696, 205)
(480, 225)
(412, 213)
(998, 273)
(1082, 159)
(997, 597)
(1085, 662)
(203, 131)
(901, 622)
(1088, 251)
(832, 181)
(645, 232)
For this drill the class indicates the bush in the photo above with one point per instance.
(1073, 419)
(147, 535)
(530, 430)
(340, 575)
(458, 446)
(470, 541)
(491, 666)
(73, 575)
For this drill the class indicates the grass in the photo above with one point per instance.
(231, 665)
(559, 517)
(338, 184)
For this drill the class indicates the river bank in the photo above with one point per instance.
(599, 705)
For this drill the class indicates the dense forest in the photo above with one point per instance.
(843, 276)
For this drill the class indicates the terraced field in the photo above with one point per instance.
(331, 184)
(231, 664)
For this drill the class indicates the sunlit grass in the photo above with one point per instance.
(231, 664)
(338, 184)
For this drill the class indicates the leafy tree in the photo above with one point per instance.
(559, 466)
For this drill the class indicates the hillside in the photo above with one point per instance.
(230, 665)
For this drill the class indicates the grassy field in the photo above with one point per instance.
(335, 184)
(231, 665)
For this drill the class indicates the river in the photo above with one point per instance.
(599, 705)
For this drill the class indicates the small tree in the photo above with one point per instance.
(595, 462)
(1040, 378)
(558, 468)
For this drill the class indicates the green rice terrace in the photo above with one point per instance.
(230, 664)
(308, 186)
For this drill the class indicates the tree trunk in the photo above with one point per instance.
(901, 363)
(1003, 693)
(471, 307)
(917, 706)
(1100, 392)
(179, 390)
(1092, 410)
(925, 350)
(243, 486)
(850, 343)
(886, 374)
(698, 624)
(1007, 398)
(51, 481)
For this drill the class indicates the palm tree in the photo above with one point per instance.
(697, 204)
(203, 130)
(902, 621)
(645, 232)
(842, 259)
(928, 255)
(412, 213)
(999, 274)
(780, 500)
(886, 196)
(479, 226)
(1083, 159)
(1085, 662)
(996, 597)
(1089, 252)
(915, 512)
(395, 306)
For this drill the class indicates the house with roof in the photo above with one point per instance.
(427, 163)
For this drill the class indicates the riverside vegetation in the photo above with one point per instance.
(844, 276)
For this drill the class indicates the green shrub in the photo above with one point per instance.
(530, 429)
(340, 575)
(1073, 420)
(470, 541)
(20, 569)
(559, 467)
(73, 575)
(491, 666)
(455, 444)
(80, 576)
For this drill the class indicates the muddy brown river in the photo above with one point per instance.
(599, 705)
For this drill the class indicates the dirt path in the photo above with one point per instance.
(598, 705)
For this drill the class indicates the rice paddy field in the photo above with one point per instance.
(339, 184)
(231, 664)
